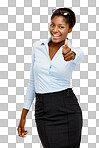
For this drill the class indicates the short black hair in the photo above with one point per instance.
(71, 19)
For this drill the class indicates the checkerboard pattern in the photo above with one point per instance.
(21, 23)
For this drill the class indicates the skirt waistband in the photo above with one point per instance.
(66, 92)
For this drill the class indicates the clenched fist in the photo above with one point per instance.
(21, 128)
(68, 54)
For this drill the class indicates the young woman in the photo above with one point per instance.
(58, 115)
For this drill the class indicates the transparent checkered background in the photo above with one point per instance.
(21, 23)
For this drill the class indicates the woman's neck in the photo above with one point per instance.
(51, 43)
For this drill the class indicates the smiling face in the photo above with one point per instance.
(59, 29)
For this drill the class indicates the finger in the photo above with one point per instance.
(22, 133)
(25, 132)
(66, 43)
(69, 53)
(22, 136)
(66, 50)
(19, 131)
(68, 58)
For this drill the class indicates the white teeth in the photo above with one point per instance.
(55, 35)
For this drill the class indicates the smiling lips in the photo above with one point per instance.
(55, 35)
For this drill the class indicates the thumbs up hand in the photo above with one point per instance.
(68, 54)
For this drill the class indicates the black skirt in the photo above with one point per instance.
(59, 119)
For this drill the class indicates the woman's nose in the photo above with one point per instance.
(55, 29)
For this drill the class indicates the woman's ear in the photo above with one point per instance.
(70, 30)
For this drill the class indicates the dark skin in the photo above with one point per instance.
(58, 26)
(21, 127)
(57, 29)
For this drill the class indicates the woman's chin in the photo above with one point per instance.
(57, 41)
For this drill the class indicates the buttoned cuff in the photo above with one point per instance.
(79, 55)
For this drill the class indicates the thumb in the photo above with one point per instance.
(66, 43)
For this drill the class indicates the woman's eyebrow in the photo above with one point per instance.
(59, 24)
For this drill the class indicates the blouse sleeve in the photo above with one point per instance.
(79, 54)
(30, 92)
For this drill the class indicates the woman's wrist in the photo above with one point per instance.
(24, 113)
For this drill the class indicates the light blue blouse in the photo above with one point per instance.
(48, 75)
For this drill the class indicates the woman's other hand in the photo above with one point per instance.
(21, 128)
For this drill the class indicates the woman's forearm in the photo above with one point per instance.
(24, 113)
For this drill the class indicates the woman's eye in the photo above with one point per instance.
(54, 25)
(51, 25)
(61, 27)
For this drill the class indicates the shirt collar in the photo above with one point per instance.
(46, 41)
